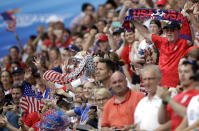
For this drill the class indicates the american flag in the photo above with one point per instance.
(30, 102)
(10, 19)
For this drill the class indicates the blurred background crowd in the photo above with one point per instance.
(98, 75)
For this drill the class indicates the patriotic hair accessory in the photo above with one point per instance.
(54, 120)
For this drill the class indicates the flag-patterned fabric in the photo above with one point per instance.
(31, 104)
(30, 101)
(10, 20)
(86, 67)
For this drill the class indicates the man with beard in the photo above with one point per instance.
(172, 48)
(119, 110)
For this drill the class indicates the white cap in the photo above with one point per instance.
(54, 18)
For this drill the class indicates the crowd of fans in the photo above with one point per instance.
(99, 76)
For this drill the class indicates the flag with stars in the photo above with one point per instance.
(10, 19)
(30, 101)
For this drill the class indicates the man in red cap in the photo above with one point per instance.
(161, 3)
(103, 43)
(172, 49)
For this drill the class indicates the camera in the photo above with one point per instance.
(94, 107)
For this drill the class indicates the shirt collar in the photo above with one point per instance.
(128, 94)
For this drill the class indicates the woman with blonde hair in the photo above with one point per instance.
(102, 95)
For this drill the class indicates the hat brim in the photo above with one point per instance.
(171, 27)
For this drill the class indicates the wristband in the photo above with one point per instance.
(164, 102)
(168, 99)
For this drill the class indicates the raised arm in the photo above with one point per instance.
(143, 31)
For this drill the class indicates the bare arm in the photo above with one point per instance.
(126, 72)
(90, 40)
(195, 22)
(119, 51)
(195, 125)
(162, 115)
(182, 125)
(70, 113)
(19, 43)
(143, 31)
(164, 127)
(122, 12)
(178, 108)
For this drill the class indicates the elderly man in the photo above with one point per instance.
(146, 113)
(172, 49)
(119, 110)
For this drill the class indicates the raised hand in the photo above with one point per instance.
(28, 74)
(60, 91)
(196, 9)
(188, 7)
(37, 61)
(163, 93)
(64, 65)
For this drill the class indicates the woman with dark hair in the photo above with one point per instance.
(6, 80)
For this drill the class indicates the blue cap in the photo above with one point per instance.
(72, 48)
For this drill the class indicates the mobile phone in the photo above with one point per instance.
(116, 24)
(83, 127)
(9, 103)
(94, 107)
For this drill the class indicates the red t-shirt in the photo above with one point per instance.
(36, 126)
(125, 57)
(170, 55)
(31, 119)
(183, 99)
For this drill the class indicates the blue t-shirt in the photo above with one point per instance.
(83, 113)
(12, 119)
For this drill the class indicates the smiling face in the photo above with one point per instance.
(88, 90)
(172, 35)
(130, 37)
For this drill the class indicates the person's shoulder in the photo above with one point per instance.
(109, 102)
(137, 93)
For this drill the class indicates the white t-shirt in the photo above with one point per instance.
(144, 46)
(193, 110)
(146, 113)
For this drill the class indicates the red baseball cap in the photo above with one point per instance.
(161, 2)
(103, 38)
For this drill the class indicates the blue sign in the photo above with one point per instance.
(34, 13)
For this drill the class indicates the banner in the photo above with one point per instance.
(160, 14)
